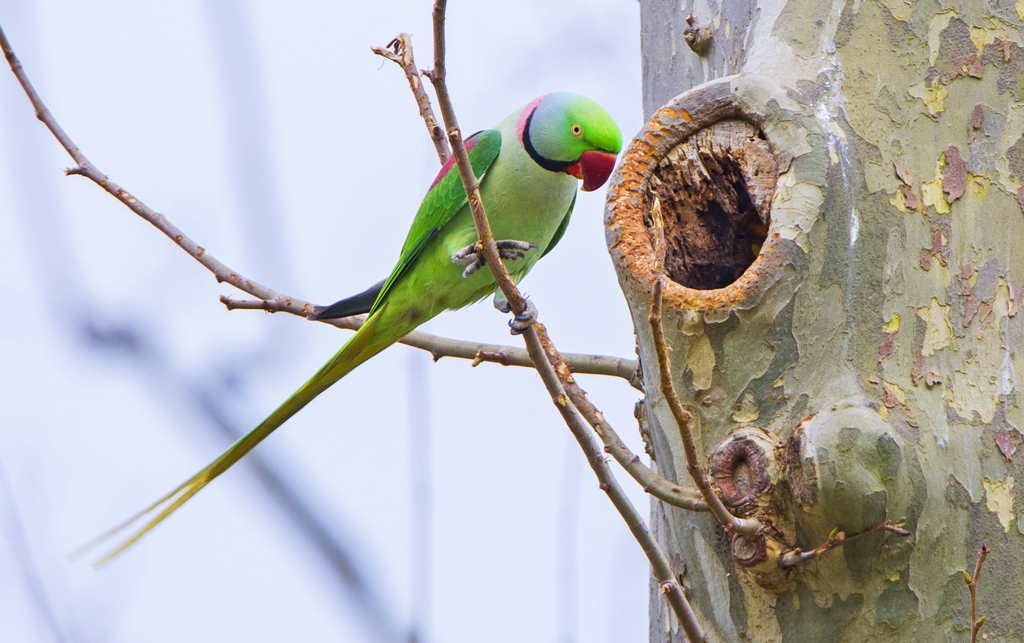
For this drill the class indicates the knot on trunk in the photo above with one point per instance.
(740, 469)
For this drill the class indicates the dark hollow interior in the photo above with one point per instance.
(715, 190)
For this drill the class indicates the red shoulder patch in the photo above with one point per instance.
(525, 116)
(470, 142)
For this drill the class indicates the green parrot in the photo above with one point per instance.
(528, 167)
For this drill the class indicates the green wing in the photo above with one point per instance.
(445, 197)
(561, 228)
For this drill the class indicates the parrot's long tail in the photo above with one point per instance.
(357, 350)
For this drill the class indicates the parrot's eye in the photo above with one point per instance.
(577, 131)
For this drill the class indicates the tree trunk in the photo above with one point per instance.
(841, 184)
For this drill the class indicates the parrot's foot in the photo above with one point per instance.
(469, 257)
(508, 249)
(520, 323)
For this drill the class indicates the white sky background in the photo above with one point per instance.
(88, 436)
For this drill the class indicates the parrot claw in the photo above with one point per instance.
(508, 249)
(520, 323)
(475, 264)
(467, 255)
(512, 249)
(501, 303)
(471, 258)
(512, 244)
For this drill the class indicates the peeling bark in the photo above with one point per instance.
(842, 184)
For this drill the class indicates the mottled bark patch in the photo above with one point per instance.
(1008, 441)
(956, 174)
(715, 190)
(957, 54)
(802, 619)
(897, 602)
(1015, 158)
(801, 474)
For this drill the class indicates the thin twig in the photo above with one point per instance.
(837, 538)
(972, 587)
(87, 169)
(399, 51)
(270, 299)
(544, 354)
(731, 523)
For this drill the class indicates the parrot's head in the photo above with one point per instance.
(570, 133)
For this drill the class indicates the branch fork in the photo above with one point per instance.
(837, 538)
(399, 51)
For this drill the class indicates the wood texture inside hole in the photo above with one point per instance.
(716, 192)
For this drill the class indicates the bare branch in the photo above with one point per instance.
(734, 524)
(269, 305)
(545, 354)
(837, 538)
(399, 51)
(87, 169)
(486, 243)
(668, 583)
(654, 484)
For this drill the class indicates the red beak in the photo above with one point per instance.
(594, 167)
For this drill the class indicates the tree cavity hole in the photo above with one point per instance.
(715, 190)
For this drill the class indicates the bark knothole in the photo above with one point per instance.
(748, 552)
(738, 168)
(746, 472)
(742, 469)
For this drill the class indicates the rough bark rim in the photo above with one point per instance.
(749, 98)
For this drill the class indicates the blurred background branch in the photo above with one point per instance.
(111, 332)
